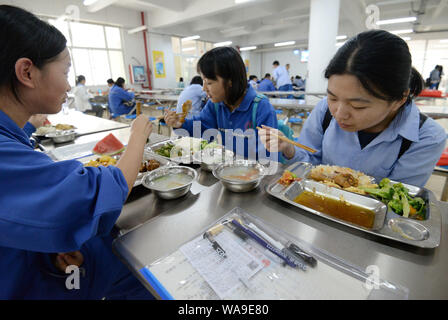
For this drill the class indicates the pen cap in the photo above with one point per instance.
(215, 230)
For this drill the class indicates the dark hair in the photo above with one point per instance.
(120, 82)
(252, 77)
(226, 63)
(23, 35)
(110, 81)
(197, 80)
(79, 79)
(181, 79)
(381, 61)
(267, 75)
(276, 63)
(298, 77)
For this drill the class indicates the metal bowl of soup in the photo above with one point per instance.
(170, 182)
(62, 136)
(240, 176)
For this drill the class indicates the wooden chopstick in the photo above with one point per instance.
(291, 142)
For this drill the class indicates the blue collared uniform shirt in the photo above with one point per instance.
(239, 120)
(379, 157)
(266, 85)
(117, 97)
(194, 93)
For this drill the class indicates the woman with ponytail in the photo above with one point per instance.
(368, 121)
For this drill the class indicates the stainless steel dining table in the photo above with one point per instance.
(152, 228)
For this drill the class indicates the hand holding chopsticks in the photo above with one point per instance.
(273, 132)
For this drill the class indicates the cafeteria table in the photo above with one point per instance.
(85, 124)
(152, 228)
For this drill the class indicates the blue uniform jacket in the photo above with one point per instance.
(240, 121)
(50, 207)
(117, 97)
(266, 85)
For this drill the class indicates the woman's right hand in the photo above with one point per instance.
(173, 119)
(141, 127)
(273, 144)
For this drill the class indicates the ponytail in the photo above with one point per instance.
(416, 84)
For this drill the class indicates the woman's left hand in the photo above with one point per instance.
(63, 260)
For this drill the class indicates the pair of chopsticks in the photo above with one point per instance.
(290, 141)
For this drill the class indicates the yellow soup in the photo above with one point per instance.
(337, 208)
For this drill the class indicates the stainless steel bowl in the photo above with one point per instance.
(240, 185)
(62, 136)
(207, 164)
(173, 193)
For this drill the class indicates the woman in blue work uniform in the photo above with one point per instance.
(233, 107)
(54, 214)
(120, 100)
(368, 121)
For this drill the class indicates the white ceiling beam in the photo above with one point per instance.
(172, 5)
(195, 10)
(100, 5)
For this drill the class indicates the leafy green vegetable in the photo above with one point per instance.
(211, 145)
(397, 198)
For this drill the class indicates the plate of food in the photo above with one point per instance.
(148, 164)
(47, 129)
(179, 150)
(411, 215)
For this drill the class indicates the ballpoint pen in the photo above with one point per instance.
(265, 244)
(278, 245)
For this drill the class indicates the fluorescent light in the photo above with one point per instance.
(138, 29)
(191, 38)
(339, 44)
(189, 49)
(444, 41)
(89, 2)
(399, 20)
(402, 31)
(341, 37)
(248, 48)
(223, 44)
(242, 1)
(406, 38)
(287, 43)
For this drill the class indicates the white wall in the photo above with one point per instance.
(283, 57)
(260, 63)
(133, 45)
(162, 43)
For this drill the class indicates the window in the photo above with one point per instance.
(186, 56)
(96, 51)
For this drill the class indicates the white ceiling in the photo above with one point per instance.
(264, 22)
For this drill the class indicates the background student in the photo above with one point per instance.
(253, 81)
(83, 96)
(232, 104)
(369, 121)
(266, 84)
(54, 214)
(195, 93)
(281, 77)
(120, 100)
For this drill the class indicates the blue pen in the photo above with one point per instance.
(266, 245)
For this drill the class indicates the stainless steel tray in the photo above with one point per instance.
(138, 181)
(423, 234)
(152, 148)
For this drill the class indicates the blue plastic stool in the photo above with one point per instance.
(131, 116)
